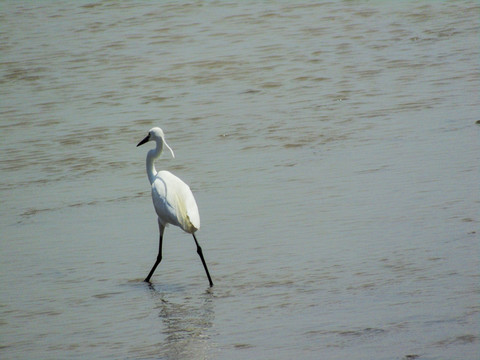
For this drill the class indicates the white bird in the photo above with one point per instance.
(172, 198)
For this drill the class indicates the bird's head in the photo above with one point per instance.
(156, 134)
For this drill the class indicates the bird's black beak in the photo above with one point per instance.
(144, 140)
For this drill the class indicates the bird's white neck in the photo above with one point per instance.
(152, 155)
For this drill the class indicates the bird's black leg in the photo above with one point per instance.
(200, 253)
(159, 256)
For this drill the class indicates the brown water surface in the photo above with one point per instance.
(332, 148)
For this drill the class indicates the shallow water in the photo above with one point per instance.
(332, 148)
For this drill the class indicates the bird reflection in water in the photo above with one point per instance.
(186, 323)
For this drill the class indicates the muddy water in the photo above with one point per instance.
(332, 149)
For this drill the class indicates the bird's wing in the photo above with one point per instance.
(178, 198)
(165, 211)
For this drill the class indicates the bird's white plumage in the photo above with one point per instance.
(174, 202)
(172, 198)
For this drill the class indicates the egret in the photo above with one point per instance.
(172, 198)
